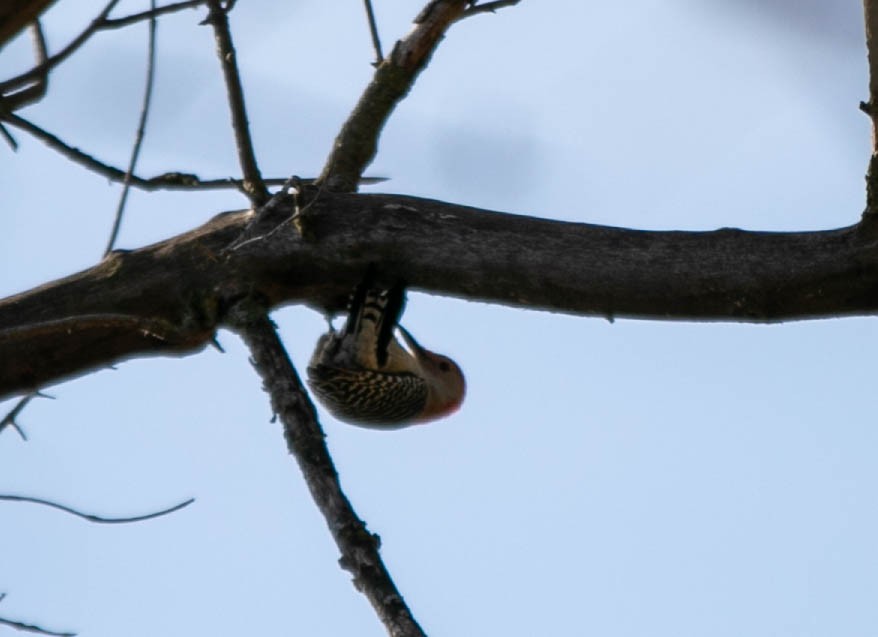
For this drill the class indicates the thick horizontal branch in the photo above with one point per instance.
(170, 297)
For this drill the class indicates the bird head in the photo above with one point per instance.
(446, 384)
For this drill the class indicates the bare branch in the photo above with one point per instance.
(141, 129)
(115, 23)
(35, 73)
(32, 628)
(373, 31)
(17, 14)
(101, 23)
(9, 418)
(172, 293)
(165, 181)
(357, 142)
(254, 187)
(96, 518)
(488, 7)
(37, 90)
(305, 440)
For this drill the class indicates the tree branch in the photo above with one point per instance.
(90, 517)
(32, 628)
(40, 70)
(871, 107)
(169, 298)
(357, 142)
(37, 89)
(115, 23)
(167, 181)
(101, 23)
(138, 136)
(254, 187)
(373, 31)
(17, 14)
(305, 440)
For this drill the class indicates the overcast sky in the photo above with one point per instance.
(626, 479)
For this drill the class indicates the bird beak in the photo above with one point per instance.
(410, 340)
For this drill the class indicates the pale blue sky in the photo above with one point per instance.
(633, 479)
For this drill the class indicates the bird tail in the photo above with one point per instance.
(373, 314)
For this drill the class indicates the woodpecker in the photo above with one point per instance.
(364, 376)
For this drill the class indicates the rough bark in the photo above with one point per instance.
(170, 297)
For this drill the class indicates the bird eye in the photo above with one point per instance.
(444, 366)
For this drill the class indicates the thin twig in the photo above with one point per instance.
(305, 440)
(165, 181)
(488, 7)
(37, 89)
(115, 23)
(254, 187)
(4, 132)
(101, 23)
(31, 628)
(373, 30)
(141, 129)
(97, 518)
(9, 420)
(35, 73)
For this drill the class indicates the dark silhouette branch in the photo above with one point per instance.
(15, 15)
(165, 181)
(373, 31)
(96, 518)
(254, 187)
(33, 628)
(169, 298)
(138, 137)
(34, 74)
(305, 440)
(101, 23)
(37, 89)
(115, 23)
(30, 628)
(357, 142)
(10, 419)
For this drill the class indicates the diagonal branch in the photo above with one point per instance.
(373, 31)
(254, 187)
(38, 71)
(305, 440)
(357, 142)
(15, 15)
(36, 90)
(138, 137)
(10, 419)
(32, 628)
(101, 23)
(166, 181)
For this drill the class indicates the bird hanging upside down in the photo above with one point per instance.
(364, 376)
